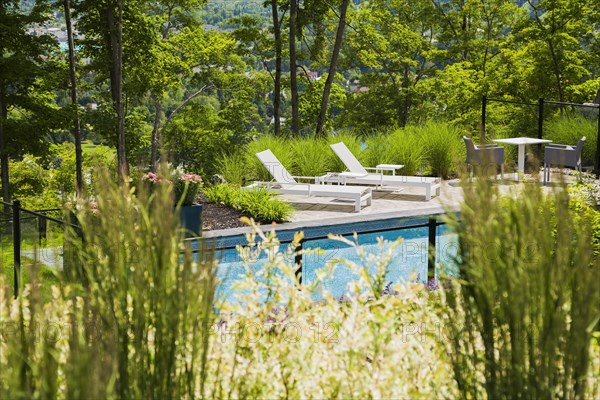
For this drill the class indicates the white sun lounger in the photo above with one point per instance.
(360, 175)
(284, 183)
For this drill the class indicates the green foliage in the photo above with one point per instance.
(407, 148)
(443, 147)
(48, 183)
(568, 129)
(260, 204)
(457, 91)
(28, 74)
(264, 206)
(523, 311)
(186, 192)
(233, 167)
(171, 314)
(432, 149)
(517, 323)
(312, 156)
(377, 150)
(137, 318)
(194, 136)
(309, 105)
(33, 185)
(585, 204)
(221, 194)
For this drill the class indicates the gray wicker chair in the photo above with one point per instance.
(562, 155)
(484, 154)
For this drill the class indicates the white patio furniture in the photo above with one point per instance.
(285, 183)
(522, 142)
(360, 175)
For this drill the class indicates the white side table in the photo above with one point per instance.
(336, 177)
(522, 142)
(387, 167)
(330, 177)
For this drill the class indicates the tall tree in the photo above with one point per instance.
(174, 18)
(278, 67)
(339, 37)
(73, 91)
(101, 23)
(114, 16)
(294, 66)
(392, 42)
(23, 63)
(554, 36)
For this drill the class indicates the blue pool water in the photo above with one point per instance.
(409, 261)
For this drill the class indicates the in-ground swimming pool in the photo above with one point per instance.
(410, 260)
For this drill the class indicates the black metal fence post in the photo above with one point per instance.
(42, 229)
(541, 118)
(483, 116)
(432, 226)
(540, 122)
(16, 206)
(298, 261)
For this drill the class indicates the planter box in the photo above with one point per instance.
(191, 219)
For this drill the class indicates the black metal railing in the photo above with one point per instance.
(540, 106)
(431, 223)
(33, 227)
(15, 216)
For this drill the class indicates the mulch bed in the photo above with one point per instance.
(218, 216)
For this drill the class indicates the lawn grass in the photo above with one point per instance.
(92, 150)
(45, 276)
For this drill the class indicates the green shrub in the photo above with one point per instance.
(142, 324)
(443, 147)
(33, 185)
(131, 318)
(406, 148)
(263, 206)
(378, 150)
(233, 167)
(312, 156)
(260, 204)
(569, 129)
(220, 193)
(522, 315)
(279, 146)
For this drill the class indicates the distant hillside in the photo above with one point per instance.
(219, 12)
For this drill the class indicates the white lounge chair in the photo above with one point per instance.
(284, 183)
(360, 175)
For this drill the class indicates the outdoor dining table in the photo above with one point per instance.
(522, 142)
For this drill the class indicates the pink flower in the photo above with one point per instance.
(151, 177)
(191, 178)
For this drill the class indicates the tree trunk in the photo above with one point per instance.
(115, 27)
(294, 67)
(73, 77)
(405, 115)
(156, 136)
(597, 99)
(278, 51)
(332, 67)
(557, 73)
(464, 27)
(5, 177)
